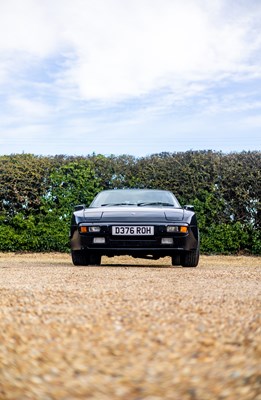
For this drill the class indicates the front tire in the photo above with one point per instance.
(190, 259)
(176, 260)
(80, 257)
(95, 259)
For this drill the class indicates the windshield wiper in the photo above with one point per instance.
(155, 203)
(117, 204)
(141, 204)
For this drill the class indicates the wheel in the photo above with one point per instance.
(95, 259)
(80, 257)
(175, 260)
(190, 259)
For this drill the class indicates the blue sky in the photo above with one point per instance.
(129, 76)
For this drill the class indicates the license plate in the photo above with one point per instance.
(133, 230)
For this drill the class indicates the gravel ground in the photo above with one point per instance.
(130, 329)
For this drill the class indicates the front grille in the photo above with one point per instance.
(133, 243)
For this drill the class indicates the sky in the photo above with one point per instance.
(134, 77)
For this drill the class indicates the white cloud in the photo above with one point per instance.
(151, 45)
(116, 49)
(127, 69)
(29, 108)
(28, 27)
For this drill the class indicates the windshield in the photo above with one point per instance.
(135, 197)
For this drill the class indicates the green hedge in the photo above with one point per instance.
(37, 195)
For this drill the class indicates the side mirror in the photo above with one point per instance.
(79, 207)
(189, 207)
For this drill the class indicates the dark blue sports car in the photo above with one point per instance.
(142, 223)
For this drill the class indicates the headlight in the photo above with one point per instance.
(172, 229)
(175, 229)
(94, 229)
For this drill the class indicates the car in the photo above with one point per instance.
(142, 223)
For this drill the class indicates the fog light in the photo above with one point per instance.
(99, 240)
(166, 241)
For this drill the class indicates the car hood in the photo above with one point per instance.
(130, 214)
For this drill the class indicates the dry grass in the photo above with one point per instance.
(130, 329)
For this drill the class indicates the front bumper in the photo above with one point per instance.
(134, 245)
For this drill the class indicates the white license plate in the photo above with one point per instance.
(133, 230)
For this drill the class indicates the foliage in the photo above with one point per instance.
(70, 184)
(37, 194)
(224, 238)
(24, 179)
